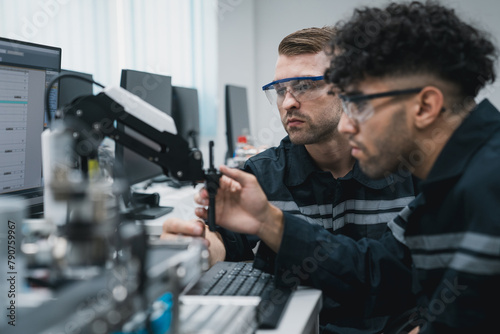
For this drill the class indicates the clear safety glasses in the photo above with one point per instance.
(301, 88)
(358, 108)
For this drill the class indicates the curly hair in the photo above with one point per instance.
(411, 38)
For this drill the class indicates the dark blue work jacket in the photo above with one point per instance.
(354, 205)
(449, 237)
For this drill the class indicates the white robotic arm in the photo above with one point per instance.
(92, 118)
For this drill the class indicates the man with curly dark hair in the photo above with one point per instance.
(408, 75)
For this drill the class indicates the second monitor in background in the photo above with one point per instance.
(156, 90)
(186, 115)
(185, 112)
(237, 119)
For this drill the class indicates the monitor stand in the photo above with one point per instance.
(140, 206)
(171, 182)
(160, 179)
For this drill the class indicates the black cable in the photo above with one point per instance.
(49, 87)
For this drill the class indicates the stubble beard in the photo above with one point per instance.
(322, 130)
(312, 134)
(393, 148)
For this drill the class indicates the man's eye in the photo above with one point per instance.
(359, 106)
(301, 87)
(281, 91)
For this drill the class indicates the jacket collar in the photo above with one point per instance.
(475, 129)
(300, 165)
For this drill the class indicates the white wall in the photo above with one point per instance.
(249, 36)
(236, 60)
(274, 20)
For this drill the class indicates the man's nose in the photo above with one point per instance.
(290, 101)
(347, 125)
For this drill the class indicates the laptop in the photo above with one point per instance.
(239, 281)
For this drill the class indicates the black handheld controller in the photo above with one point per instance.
(212, 177)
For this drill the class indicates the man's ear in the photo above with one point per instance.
(430, 104)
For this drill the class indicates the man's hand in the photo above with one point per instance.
(175, 228)
(242, 206)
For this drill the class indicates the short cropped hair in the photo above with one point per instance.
(411, 38)
(306, 41)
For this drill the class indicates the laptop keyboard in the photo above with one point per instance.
(241, 280)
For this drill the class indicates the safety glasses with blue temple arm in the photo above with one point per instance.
(301, 88)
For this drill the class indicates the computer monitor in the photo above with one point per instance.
(156, 90)
(185, 112)
(237, 119)
(26, 69)
(70, 88)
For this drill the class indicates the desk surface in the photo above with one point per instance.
(301, 313)
(181, 199)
